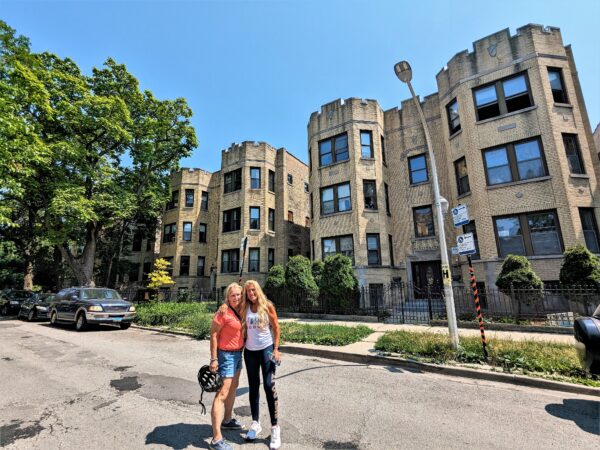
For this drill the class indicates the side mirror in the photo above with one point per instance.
(74, 297)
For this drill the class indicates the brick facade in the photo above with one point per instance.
(288, 195)
(499, 56)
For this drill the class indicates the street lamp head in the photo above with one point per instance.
(403, 71)
(444, 204)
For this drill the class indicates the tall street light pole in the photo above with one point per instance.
(404, 73)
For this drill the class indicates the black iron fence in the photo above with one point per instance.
(406, 303)
(141, 295)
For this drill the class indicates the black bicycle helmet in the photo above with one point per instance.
(209, 382)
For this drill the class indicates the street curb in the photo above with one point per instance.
(520, 380)
(464, 372)
(161, 330)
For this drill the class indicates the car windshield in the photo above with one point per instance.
(23, 295)
(101, 294)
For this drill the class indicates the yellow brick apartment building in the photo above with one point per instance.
(512, 141)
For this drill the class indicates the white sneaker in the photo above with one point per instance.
(254, 431)
(275, 437)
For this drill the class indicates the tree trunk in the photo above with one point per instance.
(119, 252)
(83, 265)
(28, 278)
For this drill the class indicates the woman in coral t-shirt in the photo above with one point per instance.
(226, 345)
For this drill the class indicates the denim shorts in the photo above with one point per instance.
(229, 363)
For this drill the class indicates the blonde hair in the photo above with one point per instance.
(228, 290)
(262, 302)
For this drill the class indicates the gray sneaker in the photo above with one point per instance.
(220, 445)
(232, 424)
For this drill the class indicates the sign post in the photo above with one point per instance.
(243, 246)
(466, 246)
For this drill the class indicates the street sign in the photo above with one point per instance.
(460, 215)
(454, 251)
(466, 244)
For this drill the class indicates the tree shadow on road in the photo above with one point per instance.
(585, 413)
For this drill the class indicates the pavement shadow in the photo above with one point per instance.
(585, 413)
(181, 435)
(396, 369)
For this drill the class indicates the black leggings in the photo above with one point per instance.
(257, 360)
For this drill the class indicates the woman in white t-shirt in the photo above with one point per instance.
(261, 355)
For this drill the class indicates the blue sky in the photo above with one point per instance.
(256, 70)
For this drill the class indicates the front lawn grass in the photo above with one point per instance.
(548, 359)
(196, 318)
(335, 335)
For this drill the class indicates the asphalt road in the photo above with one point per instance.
(113, 389)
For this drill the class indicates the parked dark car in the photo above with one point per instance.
(84, 306)
(36, 306)
(587, 334)
(10, 301)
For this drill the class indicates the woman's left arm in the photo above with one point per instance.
(275, 327)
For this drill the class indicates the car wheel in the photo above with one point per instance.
(53, 318)
(31, 315)
(4, 310)
(124, 326)
(81, 323)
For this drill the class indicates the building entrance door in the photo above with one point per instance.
(427, 278)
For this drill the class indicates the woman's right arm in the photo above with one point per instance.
(215, 328)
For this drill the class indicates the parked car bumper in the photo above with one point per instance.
(41, 313)
(12, 307)
(115, 318)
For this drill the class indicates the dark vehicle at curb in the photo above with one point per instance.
(36, 307)
(10, 301)
(85, 306)
(587, 334)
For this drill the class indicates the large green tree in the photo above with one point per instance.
(99, 149)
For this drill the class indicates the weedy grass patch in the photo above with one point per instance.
(539, 358)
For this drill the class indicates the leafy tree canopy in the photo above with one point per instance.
(94, 151)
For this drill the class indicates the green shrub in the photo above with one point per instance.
(516, 271)
(518, 280)
(335, 335)
(275, 281)
(580, 268)
(299, 281)
(339, 283)
(317, 271)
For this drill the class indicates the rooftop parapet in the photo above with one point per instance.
(498, 50)
(342, 110)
